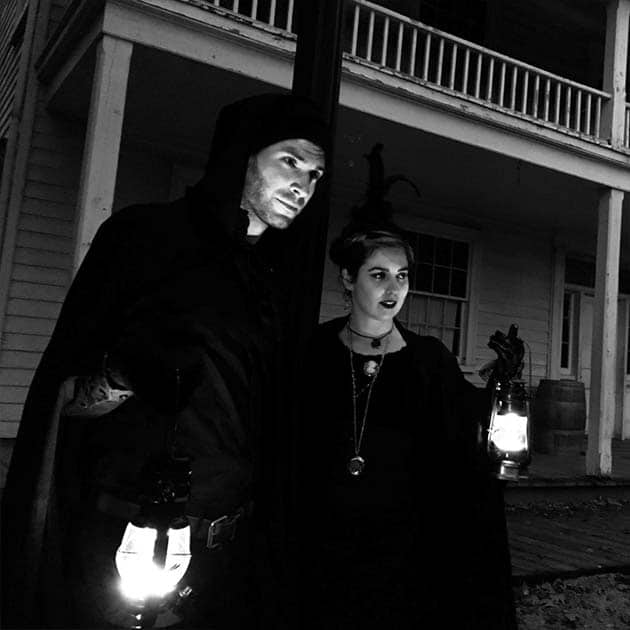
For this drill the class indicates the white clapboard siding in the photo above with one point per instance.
(44, 242)
(13, 395)
(45, 225)
(50, 209)
(55, 192)
(10, 413)
(33, 308)
(19, 378)
(515, 288)
(27, 343)
(27, 273)
(28, 325)
(18, 359)
(31, 291)
(42, 258)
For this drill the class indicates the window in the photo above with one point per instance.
(438, 289)
(569, 331)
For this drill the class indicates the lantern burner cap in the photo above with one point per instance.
(509, 471)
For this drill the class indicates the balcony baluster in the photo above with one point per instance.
(399, 46)
(385, 43)
(355, 30)
(414, 49)
(438, 79)
(451, 78)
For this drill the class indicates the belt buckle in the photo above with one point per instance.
(217, 527)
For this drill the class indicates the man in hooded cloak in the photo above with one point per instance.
(182, 303)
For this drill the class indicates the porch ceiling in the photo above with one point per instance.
(172, 104)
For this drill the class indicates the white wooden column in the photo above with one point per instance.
(102, 140)
(604, 349)
(615, 62)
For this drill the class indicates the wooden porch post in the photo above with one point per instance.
(604, 346)
(317, 76)
(615, 63)
(102, 141)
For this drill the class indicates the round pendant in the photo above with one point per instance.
(370, 368)
(356, 465)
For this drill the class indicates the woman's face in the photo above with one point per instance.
(381, 286)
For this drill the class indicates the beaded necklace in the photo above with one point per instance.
(356, 463)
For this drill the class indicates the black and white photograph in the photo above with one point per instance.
(315, 314)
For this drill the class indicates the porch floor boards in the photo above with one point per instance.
(548, 546)
(584, 537)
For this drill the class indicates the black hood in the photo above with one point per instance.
(243, 129)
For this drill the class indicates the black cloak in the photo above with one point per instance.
(433, 549)
(163, 287)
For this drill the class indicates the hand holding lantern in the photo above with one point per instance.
(508, 432)
(154, 553)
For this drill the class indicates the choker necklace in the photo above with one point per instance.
(356, 464)
(376, 341)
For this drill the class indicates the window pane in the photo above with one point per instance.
(458, 283)
(450, 313)
(417, 310)
(435, 312)
(460, 255)
(443, 250)
(441, 280)
(424, 278)
(424, 252)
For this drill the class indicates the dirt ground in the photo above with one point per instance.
(596, 602)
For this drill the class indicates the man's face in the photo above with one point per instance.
(279, 182)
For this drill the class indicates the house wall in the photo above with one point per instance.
(10, 49)
(42, 259)
(42, 245)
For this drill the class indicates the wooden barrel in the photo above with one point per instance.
(559, 417)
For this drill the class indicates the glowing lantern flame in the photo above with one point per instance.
(141, 576)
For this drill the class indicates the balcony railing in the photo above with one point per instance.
(425, 54)
(416, 52)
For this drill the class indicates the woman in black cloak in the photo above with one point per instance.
(402, 522)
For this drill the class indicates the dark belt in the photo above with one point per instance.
(214, 533)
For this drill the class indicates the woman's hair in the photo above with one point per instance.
(357, 242)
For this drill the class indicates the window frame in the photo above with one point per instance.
(576, 295)
(466, 358)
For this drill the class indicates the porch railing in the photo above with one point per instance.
(417, 52)
(277, 13)
(425, 54)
